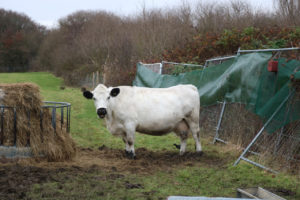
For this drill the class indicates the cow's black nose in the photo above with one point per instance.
(101, 112)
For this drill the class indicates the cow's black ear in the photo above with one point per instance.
(114, 92)
(88, 94)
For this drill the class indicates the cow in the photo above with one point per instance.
(153, 111)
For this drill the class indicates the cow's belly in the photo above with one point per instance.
(157, 127)
(155, 132)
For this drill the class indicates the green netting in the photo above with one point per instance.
(244, 79)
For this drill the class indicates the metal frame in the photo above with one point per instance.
(56, 105)
(216, 138)
(267, 50)
(48, 105)
(185, 64)
(242, 156)
(175, 63)
(246, 150)
(160, 66)
(218, 59)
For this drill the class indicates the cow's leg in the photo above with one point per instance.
(194, 128)
(127, 148)
(130, 131)
(183, 139)
(182, 131)
(196, 135)
(130, 146)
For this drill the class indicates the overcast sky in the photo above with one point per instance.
(47, 12)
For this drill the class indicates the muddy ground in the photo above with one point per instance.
(18, 176)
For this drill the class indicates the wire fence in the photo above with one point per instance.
(280, 150)
(173, 68)
(234, 123)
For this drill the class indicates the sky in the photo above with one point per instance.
(48, 12)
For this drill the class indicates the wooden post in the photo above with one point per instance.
(93, 79)
(97, 78)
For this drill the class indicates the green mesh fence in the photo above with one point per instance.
(244, 79)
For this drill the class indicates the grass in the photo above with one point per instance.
(190, 181)
(89, 131)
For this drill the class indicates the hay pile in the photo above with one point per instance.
(41, 137)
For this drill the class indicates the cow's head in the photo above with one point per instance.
(101, 96)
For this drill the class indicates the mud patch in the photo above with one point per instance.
(17, 177)
(148, 161)
(129, 185)
(96, 167)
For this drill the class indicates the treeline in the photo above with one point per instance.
(88, 41)
(20, 39)
(206, 46)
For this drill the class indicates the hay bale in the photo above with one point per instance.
(54, 145)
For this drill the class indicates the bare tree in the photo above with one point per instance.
(289, 10)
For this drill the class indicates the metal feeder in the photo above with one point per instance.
(20, 152)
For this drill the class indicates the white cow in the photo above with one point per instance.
(153, 111)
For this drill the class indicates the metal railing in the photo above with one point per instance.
(266, 50)
(59, 105)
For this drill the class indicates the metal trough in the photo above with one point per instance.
(202, 198)
(257, 193)
(242, 194)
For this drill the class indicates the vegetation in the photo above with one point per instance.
(205, 46)
(20, 39)
(191, 181)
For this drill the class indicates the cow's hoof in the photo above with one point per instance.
(177, 146)
(130, 155)
(200, 153)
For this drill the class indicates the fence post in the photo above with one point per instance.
(216, 138)
(97, 77)
(161, 67)
(61, 117)
(2, 126)
(93, 79)
(69, 123)
(15, 126)
(54, 118)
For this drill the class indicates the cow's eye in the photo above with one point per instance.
(94, 98)
(108, 98)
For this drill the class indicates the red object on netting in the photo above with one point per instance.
(273, 66)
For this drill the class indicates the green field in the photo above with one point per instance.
(213, 175)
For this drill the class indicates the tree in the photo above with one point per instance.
(290, 11)
(20, 39)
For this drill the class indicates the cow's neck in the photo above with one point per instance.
(109, 119)
(108, 116)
